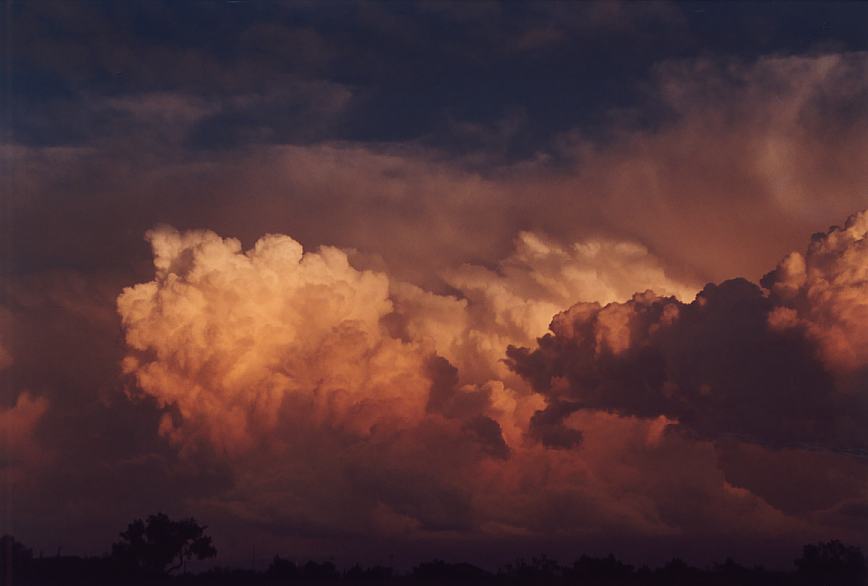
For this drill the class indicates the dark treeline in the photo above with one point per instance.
(157, 550)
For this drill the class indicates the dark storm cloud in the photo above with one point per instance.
(713, 365)
(413, 67)
(736, 362)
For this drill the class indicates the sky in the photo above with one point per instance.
(385, 282)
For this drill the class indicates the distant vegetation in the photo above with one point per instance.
(155, 551)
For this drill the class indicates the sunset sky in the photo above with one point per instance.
(394, 281)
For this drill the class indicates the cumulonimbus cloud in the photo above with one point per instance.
(256, 355)
(228, 338)
(324, 387)
(240, 339)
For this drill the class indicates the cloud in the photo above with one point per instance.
(767, 378)
(239, 339)
(20, 453)
(722, 184)
(512, 302)
(732, 176)
(732, 363)
(277, 362)
(18, 423)
(329, 394)
(825, 292)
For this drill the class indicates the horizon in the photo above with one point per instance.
(128, 559)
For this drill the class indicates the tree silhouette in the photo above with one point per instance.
(160, 545)
(837, 562)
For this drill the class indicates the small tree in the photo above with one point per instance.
(160, 545)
